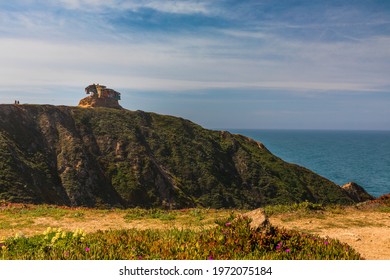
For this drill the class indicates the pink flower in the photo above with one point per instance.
(279, 246)
(87, 249)
(288, 251)
(228, 224)
(326, 243)
(210, 258)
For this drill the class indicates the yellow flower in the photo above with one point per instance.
(19, 235)
(4, 248)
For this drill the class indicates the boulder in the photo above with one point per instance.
(356, 192)
(258, 217)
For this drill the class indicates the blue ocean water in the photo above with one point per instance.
(341, 156)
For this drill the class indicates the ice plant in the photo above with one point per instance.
(288, 251)
(87, 249)
(228, 224)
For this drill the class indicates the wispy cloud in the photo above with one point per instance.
(173, 7)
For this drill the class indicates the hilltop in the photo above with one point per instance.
(104, 157)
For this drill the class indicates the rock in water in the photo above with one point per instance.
(356, 192)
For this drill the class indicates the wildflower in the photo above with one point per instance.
(4, 247)
(326, 243)
(228, 224)
(210, 258)
(140, 257)
(287, 250)
(19, 235)
(47, 231)
(279, 246)
(87, 249)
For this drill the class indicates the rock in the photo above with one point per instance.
(258, 217)
(91, 101)
(356, 192)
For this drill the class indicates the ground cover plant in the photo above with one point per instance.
(231, 238)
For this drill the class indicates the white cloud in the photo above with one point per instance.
(174, 7)
(175, 66)
(228, 58)
(82, 4)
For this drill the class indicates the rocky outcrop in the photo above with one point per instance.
(258, 218)
(91, 101)
(356, 192)
(107, 157)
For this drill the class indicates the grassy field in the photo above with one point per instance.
(49, 232)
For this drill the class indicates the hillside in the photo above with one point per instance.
(102, 157)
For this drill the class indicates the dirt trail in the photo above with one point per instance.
(366, 231)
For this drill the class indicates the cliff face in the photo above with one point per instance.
(108, 157)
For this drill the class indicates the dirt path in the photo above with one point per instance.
(367, 231)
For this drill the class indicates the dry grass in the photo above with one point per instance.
(29, 220)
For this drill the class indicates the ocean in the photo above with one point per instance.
(340, 156)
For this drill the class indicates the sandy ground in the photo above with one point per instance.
(367, 231)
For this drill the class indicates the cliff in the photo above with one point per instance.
(106, 157)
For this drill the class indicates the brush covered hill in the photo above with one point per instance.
(103, 157)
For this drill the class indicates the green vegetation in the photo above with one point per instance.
(303, 207)
(230, 239)
(107, 158)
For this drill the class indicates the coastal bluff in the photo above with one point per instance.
(104, 157)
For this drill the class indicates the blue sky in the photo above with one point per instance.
(295, 64)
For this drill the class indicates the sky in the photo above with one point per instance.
(261, 64)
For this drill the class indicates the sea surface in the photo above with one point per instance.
(341, 156)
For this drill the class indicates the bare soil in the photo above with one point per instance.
(368, 231)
